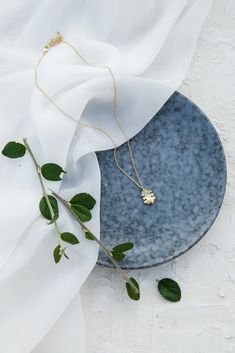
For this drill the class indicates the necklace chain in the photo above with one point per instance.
(148, 195)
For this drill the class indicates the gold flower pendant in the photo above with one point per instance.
(148, 196)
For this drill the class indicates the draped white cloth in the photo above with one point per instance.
(149, 45)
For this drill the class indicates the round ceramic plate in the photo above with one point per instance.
(181, 158)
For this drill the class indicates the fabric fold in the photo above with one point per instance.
(149, 45)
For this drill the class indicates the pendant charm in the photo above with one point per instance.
(148, 196)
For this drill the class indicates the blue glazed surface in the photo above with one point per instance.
(180, 157)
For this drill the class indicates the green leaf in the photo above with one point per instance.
(14, 150)
(44, 209)
(69, 238)
(123, 247)
(169, 289)
(118, 256)
(57, 254)
(83, 199)
(52, 171)
(89, 236)
(131, 292)
(82, 212)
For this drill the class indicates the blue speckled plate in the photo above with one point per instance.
(181, 158)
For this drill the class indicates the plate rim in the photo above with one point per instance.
(170, 258)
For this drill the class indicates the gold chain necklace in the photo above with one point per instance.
(147, 194)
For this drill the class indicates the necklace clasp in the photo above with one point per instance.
(53, 42)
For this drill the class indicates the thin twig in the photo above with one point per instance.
(39, 173)
(102, 246)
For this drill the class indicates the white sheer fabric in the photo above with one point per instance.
(149, 45)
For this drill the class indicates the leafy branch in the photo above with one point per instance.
(130, 282)
(60, 249)
(80, 207)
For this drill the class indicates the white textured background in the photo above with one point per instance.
(204, 321)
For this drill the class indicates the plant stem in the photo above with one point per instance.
(101, 245)
(39, 173)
